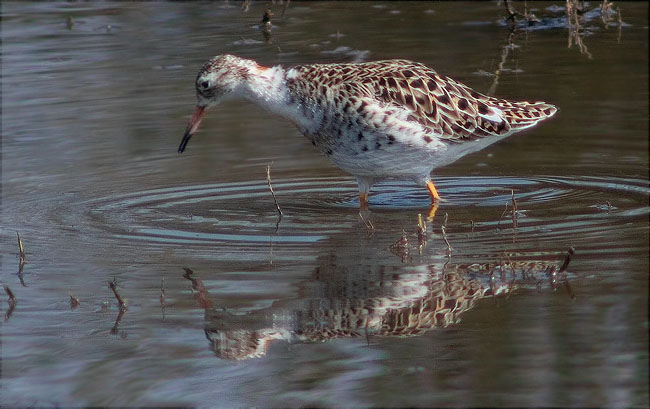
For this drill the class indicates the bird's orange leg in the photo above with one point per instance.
(433, 192)
(435, 197)
(363, 200)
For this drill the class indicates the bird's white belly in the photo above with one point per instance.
(389, 161)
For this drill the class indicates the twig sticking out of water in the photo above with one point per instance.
(567, 259)
(21, 249)
(268, 180)
(117, 323)
(122, 302)
(422, 230)
(503, 214)
(74, 302)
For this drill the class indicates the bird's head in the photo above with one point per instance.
(221, 77)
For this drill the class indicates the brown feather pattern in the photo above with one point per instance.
(444, 107)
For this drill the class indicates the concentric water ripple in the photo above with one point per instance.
(315, 208)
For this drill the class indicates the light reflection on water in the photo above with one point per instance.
(92, 115)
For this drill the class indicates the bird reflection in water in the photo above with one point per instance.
(368, 301)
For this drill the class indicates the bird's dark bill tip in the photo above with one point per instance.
(183, 145)
(192, 127)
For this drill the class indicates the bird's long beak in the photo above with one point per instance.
(192, 126)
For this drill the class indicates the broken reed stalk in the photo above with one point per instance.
(12, 297)
(567, 259)
(21, 248)
(74, 302)
(514, 210)
(503, 214)
(268, 180)
(422, 229)
(120, 300)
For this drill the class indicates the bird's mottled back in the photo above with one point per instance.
(443, 107)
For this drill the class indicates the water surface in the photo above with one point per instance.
(318, 308)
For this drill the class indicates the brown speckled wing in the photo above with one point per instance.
(446, 109)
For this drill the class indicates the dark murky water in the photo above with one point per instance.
(318, 309)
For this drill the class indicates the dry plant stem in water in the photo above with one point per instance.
(567, 259)
(74, 302)
(422, 229)
(21, 248)
(268, 180)
(120, 300)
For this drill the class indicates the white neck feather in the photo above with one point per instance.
(267, 87)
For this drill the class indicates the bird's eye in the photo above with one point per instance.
(205, 84)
